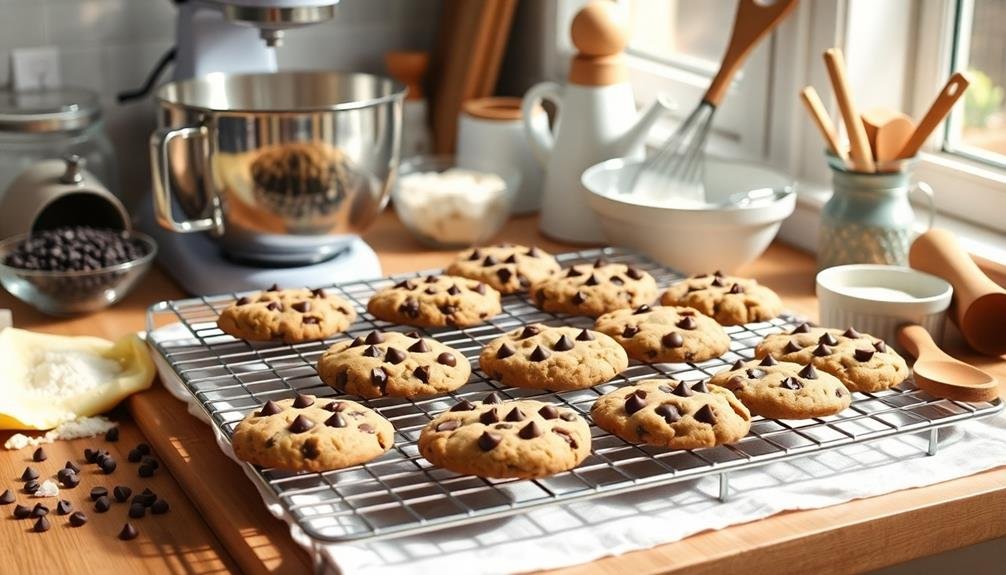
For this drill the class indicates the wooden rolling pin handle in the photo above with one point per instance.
(979, 304)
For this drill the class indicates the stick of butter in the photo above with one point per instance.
(49, 379)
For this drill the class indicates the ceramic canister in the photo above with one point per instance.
(491, 136)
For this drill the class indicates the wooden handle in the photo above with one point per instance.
(823, 122)
(953, 90)
(859, 154)
(754, 19)
(917, 341)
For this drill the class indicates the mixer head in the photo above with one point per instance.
(273, 17)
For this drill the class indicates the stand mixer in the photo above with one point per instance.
(277, 170)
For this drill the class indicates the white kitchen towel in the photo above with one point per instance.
(579, 532)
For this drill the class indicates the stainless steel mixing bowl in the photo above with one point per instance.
(278, 167)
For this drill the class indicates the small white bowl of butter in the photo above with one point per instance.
(878, 299)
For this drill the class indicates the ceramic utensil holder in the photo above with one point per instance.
(869, 218)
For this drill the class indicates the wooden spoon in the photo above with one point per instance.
(862, 158)
(941, 375)
(953, 90)
(823, 122)
(887, 130)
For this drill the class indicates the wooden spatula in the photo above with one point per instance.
(953, 90)
(887, 130)
(941, 375)
(859, 154)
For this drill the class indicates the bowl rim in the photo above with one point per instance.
(825, 280)
(7, 243)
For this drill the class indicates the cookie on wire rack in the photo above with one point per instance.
(784, 390)
(595, 289)
(508, 268)
(289, 315)
(436, 301)
(665, 334)
(727, 299)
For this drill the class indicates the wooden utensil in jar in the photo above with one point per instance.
(951, 92)
(941, 375)
(859, 154)
(823, 122)
(887, 130)
(979, 304)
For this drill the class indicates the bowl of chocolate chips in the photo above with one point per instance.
(74, 269)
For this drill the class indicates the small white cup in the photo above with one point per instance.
(878, 299)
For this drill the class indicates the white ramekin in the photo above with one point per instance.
(840, 306)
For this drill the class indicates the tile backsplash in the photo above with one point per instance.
(111, 45)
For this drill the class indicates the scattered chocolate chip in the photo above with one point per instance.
(160, 507)
(300, 424)
(128, 532)
(98, 492)
(151, 462)
(791, 347)
(303, 401)
(21, 512)
(633, 273)
(493, 397)
(40, 455)
(489, 417)
(121, 493)
(28, 474)
(72, 467)
(851, 333)
(31, 486)
(145, 470)
(447, 358)
(422, 373)
(39, 510)
(768, 361)
(641, 309)
(143, 448)
(516, 415)
(108, 465)
(548, 412)
(630, 331)
(828, 339)
(563, 344)
(705, 415)
(100, 457)
(77, 518)
(394, 356)
(573, 272)
(701, 387)
(821, 350)
(864, 355)
(268, 408)
(739, 364)
(504, 351)
(585, 335)
(566, 435)
(668, 412)
(578, 298)
(7, 497)
(539, 354)
(137, 510)
(489, 261)
(146, 498)
(42, 524)
(880, 346)
(489, 440)
(682, 390)
(634, 403)
(102, 504)
(449, 425)
(463, 405)
(64, 507)
(672, 340)
(69, 480)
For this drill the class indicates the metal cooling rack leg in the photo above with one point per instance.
(724, 487)
(934, 441)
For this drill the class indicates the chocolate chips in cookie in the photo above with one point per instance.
(290, 315)
(436, 301)
(727, 299)
(508, 268)
(665, 334)
(595, 289)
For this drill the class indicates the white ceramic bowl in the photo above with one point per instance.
(878, 299)
(691, 240)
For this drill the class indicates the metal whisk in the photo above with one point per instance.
(676, 170)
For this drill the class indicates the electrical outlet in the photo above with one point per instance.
(35, 68)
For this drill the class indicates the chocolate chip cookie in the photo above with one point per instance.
(291, 315)
(859, 360)
(436, 301)
(784, 390)
(595, 289)
(668, 413)
(727, 299)
(311, 434)
(504, 439)
(507, 267)
(393, 364)
(555, 358)
(665, 334)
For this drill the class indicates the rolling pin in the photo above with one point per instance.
(979, 304)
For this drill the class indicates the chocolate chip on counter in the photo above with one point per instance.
(630, 331)
(447, 358)
(489, 417)
(422, 373)
(98, 492)
(102, 504)
(160, 507)
(100, 457)
(300, 424)
(145, 470)
(701, 387)
(827, 339)
(791, 347)
(880, 346)
(493, 397)
(72, 467)
(516, 415)
(108, 465)
(31, 486)
(851, 333)
(821, 350)
(864, 355)
(64, 473)
(147, 460)
(489, 440)
(394, 356)
(137, 510)
(642, 309)
(705, 415)
(802, 328)
(548, 412)
(21, 512)
(69, 480)
(112, 434)
(144, 499)
(791, 383)
(578, 298)
(42, 524)
(7, 497)
(585, 335)
(39, 510)
(463, 405)
(39, 455)
(143, 448)
(64, 507)
(768, 361)
(449, 425)
(419, 347)
(28, 474)
(372, 351)
(121, 493)
(563, 344)
(672, 340)
(539, 354)
(634, 403)
(808, 372)
(77, 518)
(668, 412)
(128, 532)
(682, 390)
(504, 351)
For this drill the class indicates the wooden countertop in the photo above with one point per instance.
(195, 537)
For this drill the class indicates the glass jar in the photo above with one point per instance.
(52, 124)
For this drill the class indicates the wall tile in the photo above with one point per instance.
(92, 22)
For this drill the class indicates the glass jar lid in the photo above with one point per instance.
(48, 110)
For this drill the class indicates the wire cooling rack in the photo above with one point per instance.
(401, 493)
